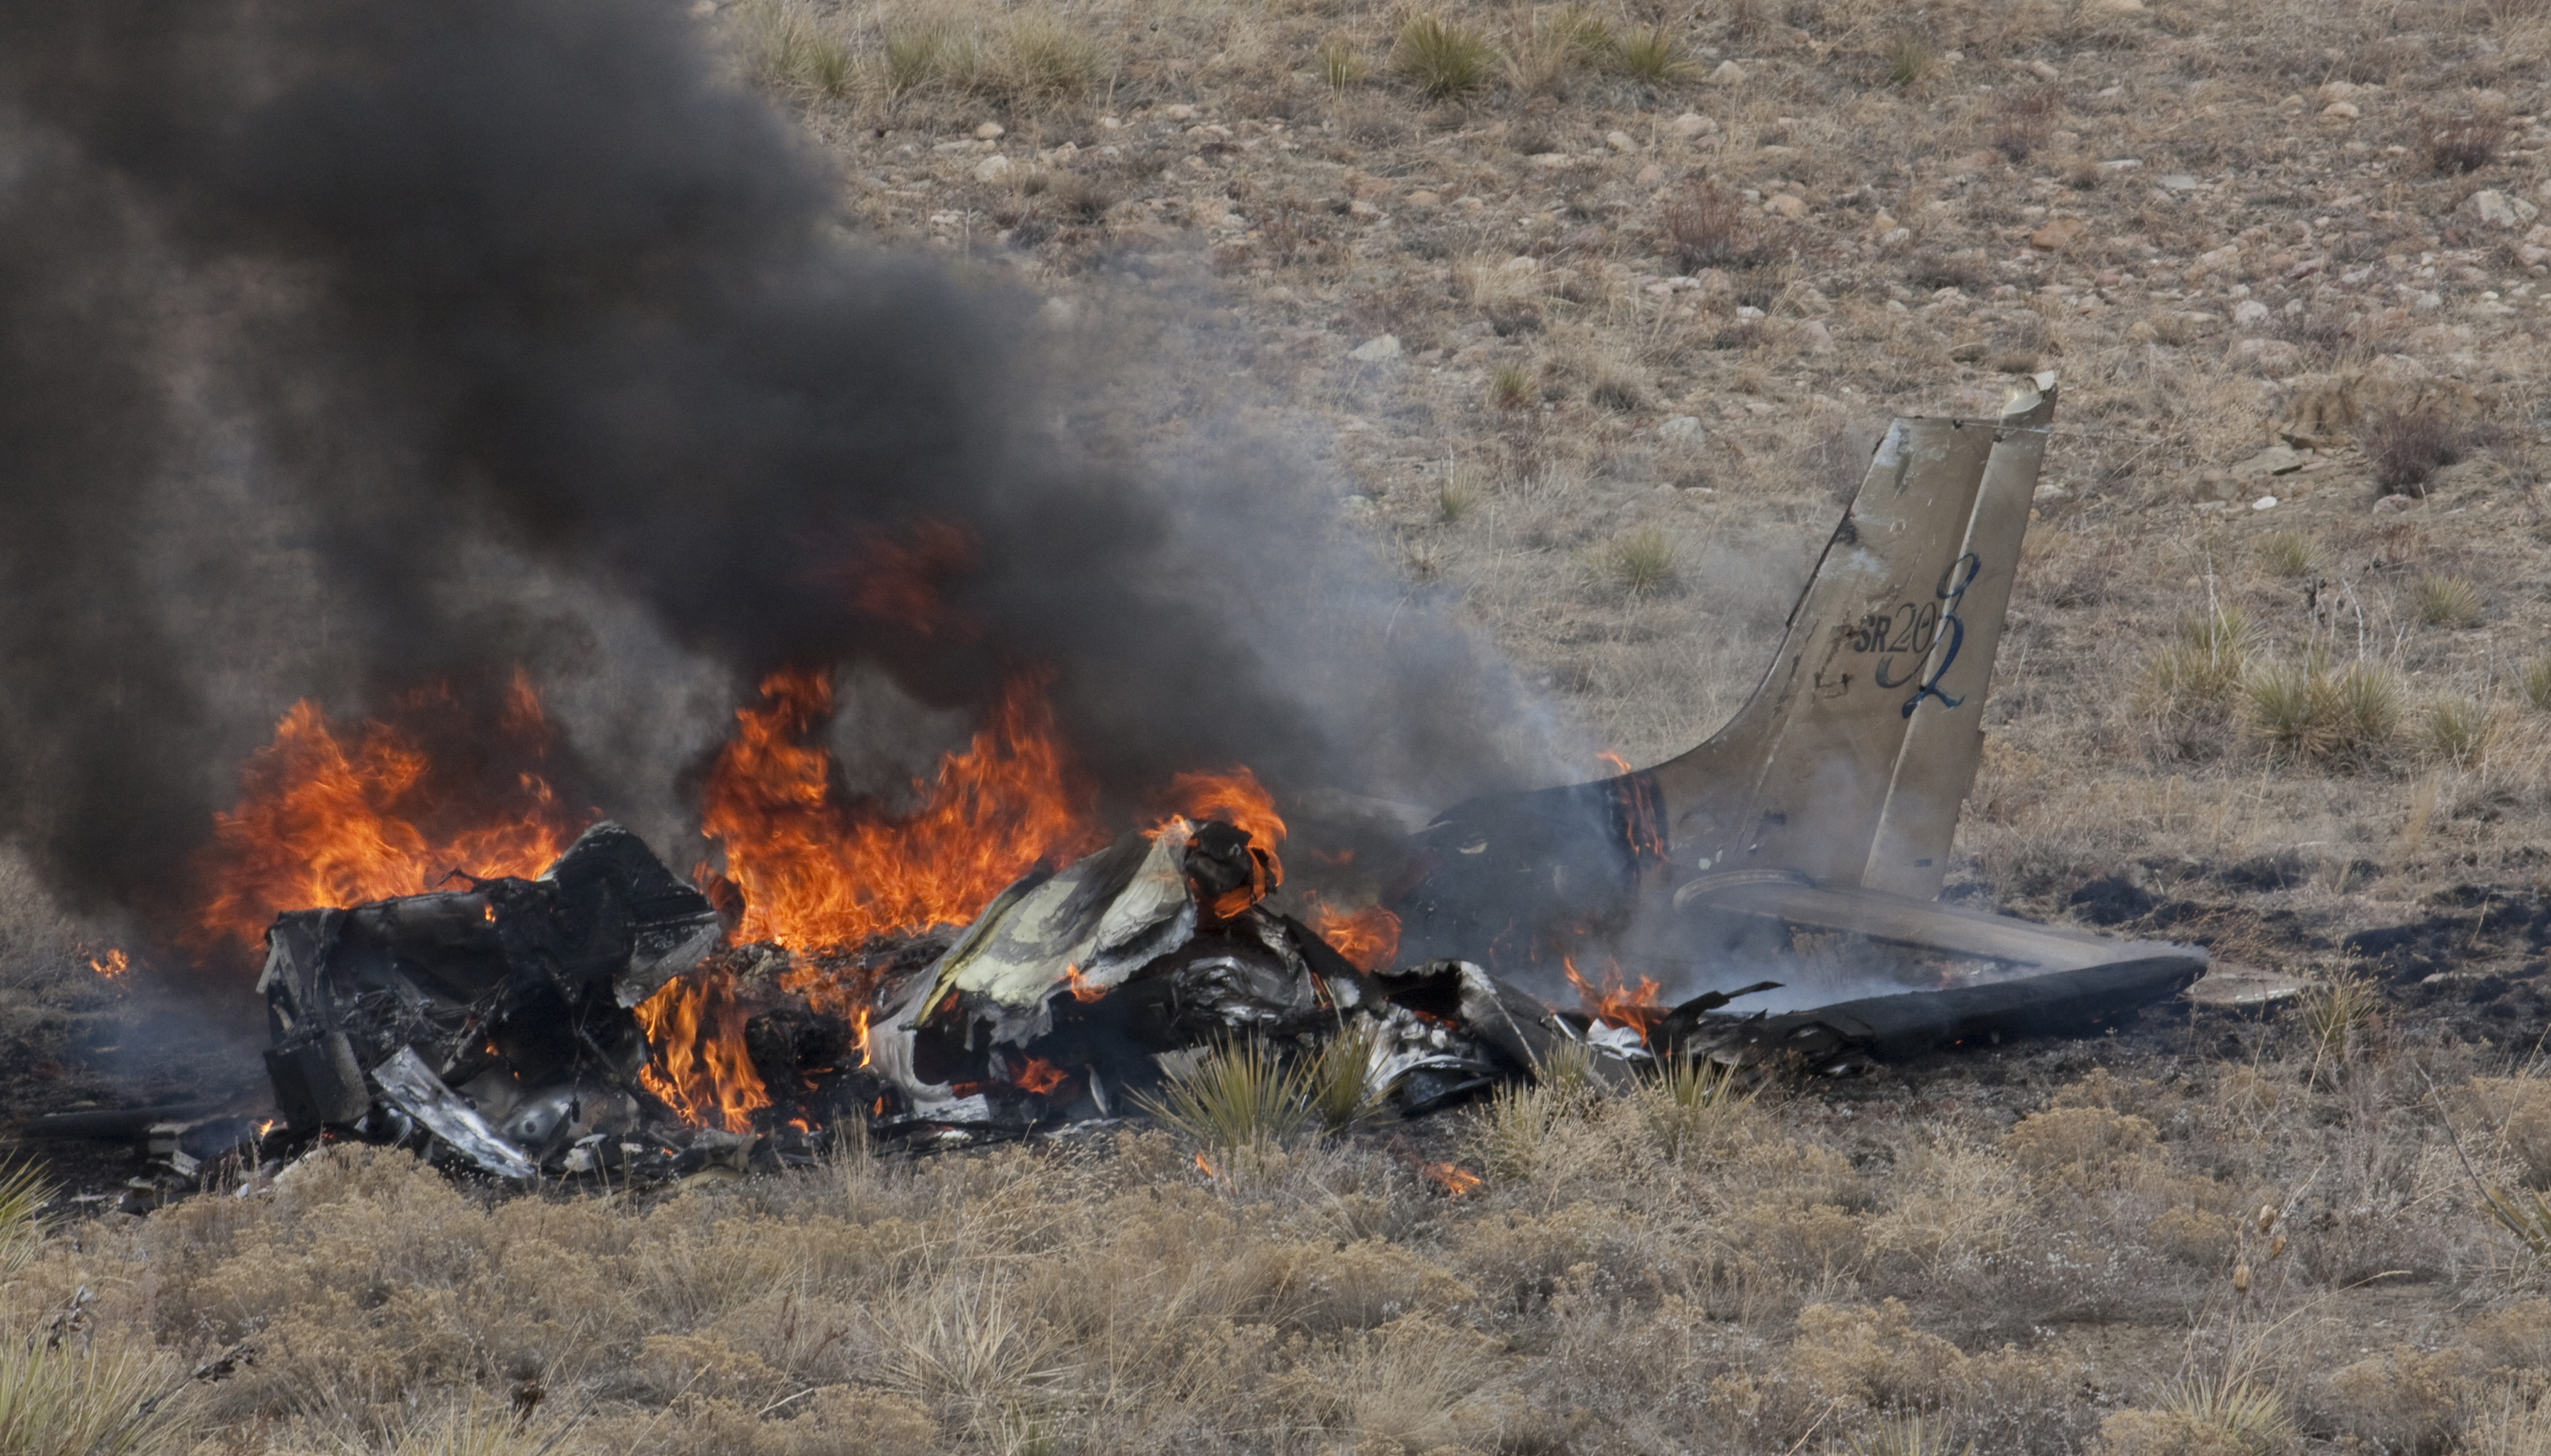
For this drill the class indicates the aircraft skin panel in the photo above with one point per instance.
(1935, 764)
(1799, 778)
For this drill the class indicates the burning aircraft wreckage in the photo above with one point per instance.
(604, 1015)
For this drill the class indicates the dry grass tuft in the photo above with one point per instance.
(1705, 228)
(2452, 145)
(2191, 683)
(1642, 562)
(2410, 444)
(1444, 59)
(2336, 1014)
(2290, 555)
(1341, 66)
(1237, 1094)
(2460, 731)
(2446, 601)
(1690, 1105)
(1909, 60)
(2308, 714)
(2537, 683)
(1652, 55)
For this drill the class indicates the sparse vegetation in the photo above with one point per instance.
(2410, 444)
(1650, 56)
(2537, 683)
(1235, 1096)
(2460, 731)
(2308, 713)
(1641, 562)
(1454, 502)
(1705, 228)
(2336, 1012)
(2446, 601)
(1444, 60)
(1341, 66)
(2190, 682)
(2455, 145)
(1909, 60)
(2290, 555)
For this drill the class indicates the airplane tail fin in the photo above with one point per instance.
(1849, 765)
(1850, 762)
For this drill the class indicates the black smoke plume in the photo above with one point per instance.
(307, 305)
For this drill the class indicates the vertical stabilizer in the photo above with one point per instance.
(1850, 762)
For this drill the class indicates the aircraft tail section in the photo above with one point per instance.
(1850, 762)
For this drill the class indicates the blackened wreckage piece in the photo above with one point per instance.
(496, 1019)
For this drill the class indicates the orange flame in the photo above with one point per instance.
(1235, 797)
(1616, 1003)
(1613, 761)
(112, 964)
(1369, 938)
(700, 1068)
(1453, 1178)
(1207, 1169)
(1078, 985)
(816, 870)
(1038, 1076)
(331, 821)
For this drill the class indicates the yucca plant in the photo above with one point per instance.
(1038, 59)
(23, 1196)
(1510, 388)
(2335, 1014)
(1338, 1080)
(2290, 555)
(1651, 56)
(1687, 1100)
(1454, 501)
(913, 57)
(2460, 731)
(2446, 601)
(2190, 682)
(2524, 1213)
(77, 1400)
(2369, 710)
(2244, 1412)
(1910, 1436)
(1641, 563)
(2537, 683)
(1444, 59)
(1235, 1093)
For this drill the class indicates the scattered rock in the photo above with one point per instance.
(2178, 182)
(2340, 111)
(2250, 314)
(2275, 460)
(2044, 72)
(1787, 205)
(1376, 349)
(1729, 73)
(2494, 209)
(1882, 224)
(1680, 427)
(1423, 198)
(1182, 112)
(1620, 141)
(1692, 124)
(2057, 232)
(2390, 505)
(994, 168)
(2264, 503)
(2050, 493)
(1648, 175)
(1816, 337)
(989, 131)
